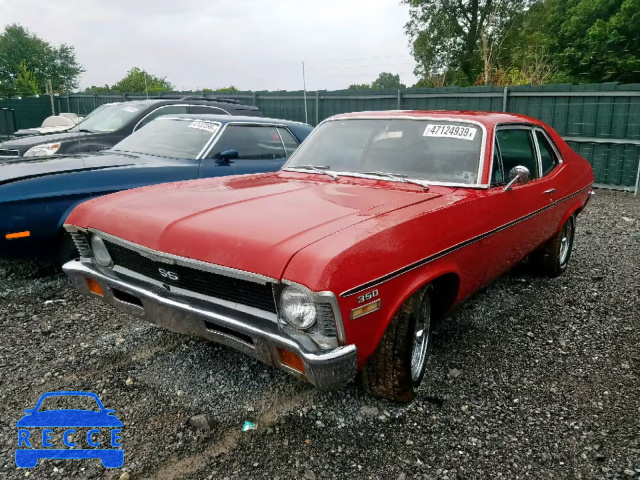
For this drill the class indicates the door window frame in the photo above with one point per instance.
(553, 147)
(205, 155)
(518, 126)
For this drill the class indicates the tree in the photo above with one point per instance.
(230, 89)
(596, 40)
(387, 80)
(95, 89)
(139, 81)
(448, 35)
(25, 83)
(360, 86)
(43, 60)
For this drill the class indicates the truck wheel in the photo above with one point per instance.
(396, 368)
(553, 257)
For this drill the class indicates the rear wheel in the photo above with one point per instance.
(553, 257)
(396, 368)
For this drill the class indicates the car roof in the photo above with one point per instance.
(232, 104)
(233, 119)
(488, 119)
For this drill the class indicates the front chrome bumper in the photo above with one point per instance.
(255, 336)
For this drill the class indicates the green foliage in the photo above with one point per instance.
(95, 90)
(138, 80)
(387, 80)
(596, 40)
(448, 35)
(360, 86)
(25, 83)
(43, 60)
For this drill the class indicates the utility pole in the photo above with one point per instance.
(145, 84)
(49, 89)
(304, 84)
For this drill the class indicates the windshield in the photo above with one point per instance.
(66, 402)
(110, 118)
(431, 150)
(170, 137)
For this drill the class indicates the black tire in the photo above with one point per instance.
(553, 257)
(388, 373)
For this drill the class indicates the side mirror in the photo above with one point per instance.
(517, 174)
(109, 411)
(29, 411)
(227, 156)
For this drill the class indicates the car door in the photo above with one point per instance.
(517, 218)
(259, 148)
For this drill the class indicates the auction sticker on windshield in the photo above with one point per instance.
(450, 131)
(209, 127)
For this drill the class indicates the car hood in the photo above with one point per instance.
(32, 167)
(252, 223)
(69, 418)
(25, 143)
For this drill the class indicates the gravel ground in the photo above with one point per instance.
(532, 378)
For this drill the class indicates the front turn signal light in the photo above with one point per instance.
(291, 360)
(94, 287)
(365, 309)
(12, 236)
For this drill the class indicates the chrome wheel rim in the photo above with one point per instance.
(420, 345)
(565, 242)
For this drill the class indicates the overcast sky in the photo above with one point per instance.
(252, 44)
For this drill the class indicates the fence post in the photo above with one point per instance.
(635, 192)
(255, 99)
(505, 96)
(399, 98)
(317, 107)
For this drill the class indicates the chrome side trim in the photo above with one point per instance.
(478, 184)
(447, 251)
(187, 262)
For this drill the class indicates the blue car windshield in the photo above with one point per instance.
(170, 137)
(67, 402)
(430, 150)
(110, 118)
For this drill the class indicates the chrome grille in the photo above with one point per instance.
(326, 320)
(9, 153)
(211, 284)
(81, 244)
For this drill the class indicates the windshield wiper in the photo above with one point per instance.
(400, 177)
(85, 130)
(317, 169)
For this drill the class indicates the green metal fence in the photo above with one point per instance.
(601, 122)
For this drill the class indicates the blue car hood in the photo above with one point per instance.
(69, 418)
(14, 171)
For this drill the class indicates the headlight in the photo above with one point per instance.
(42, 150)
(100, 252)
(297, 307)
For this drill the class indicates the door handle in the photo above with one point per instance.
(550, 191)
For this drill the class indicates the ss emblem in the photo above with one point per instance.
(168, 274)
(368, 296)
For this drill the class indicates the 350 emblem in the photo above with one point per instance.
(368, 296)
(167, 274)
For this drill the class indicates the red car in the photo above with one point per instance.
(379, 224)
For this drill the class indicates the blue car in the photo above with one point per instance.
(37, 194)
(69, 419)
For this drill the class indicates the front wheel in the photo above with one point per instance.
(396, 368)
(553, 257)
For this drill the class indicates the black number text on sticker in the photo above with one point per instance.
(368, 296)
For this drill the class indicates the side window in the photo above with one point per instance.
(547, 155)
(516, 148)
(255, 143)
(290, 142)
(169, 110)
(497, 173)
(204, 109)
